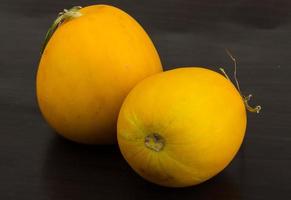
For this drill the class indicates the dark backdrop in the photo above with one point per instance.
(37, 164)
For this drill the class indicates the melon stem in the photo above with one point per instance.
(247, 98)
(62, 17)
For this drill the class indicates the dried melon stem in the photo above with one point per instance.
(246, 99)
(63, 16)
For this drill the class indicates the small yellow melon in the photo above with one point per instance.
(181, 127)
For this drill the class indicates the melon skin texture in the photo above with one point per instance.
(88, 67)
(181, 127)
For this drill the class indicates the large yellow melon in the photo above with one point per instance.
(90, 63)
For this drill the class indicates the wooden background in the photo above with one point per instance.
(37, 164)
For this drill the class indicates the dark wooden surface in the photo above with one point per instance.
(37, 164)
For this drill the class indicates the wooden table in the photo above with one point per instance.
(37, 164)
